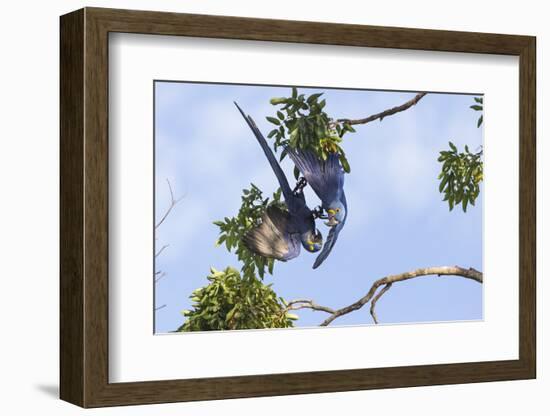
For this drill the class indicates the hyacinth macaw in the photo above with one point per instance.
(281, 232)
(327, 181)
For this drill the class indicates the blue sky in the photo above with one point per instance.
(396, 223)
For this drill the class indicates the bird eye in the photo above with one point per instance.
(337, 209)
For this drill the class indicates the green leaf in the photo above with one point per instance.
(272, 133)
(480, 121)
(313, 97)
(294, 92)
(443, 183)
(464, 204)
(453, 147)
(476, 107)
(277, 101)
(283, 154)
(273, 120)
(345, 163)
(280, 115)
(296, 173)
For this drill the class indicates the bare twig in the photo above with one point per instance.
(173, 202)
(375, 299)
(307, 304)
(470, 273)
(159, 276)
(161, 250)
(385, 113)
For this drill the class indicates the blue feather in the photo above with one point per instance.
(281, 177)
(326, 178)
(331, 239)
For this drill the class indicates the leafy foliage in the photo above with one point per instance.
(460, 176)
(301, 123)
(232, 230)
(478, 107)
(461, 172)
(231, 302)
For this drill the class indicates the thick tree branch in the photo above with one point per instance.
(387, 281)
(383, 114)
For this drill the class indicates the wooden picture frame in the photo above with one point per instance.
(84, 207)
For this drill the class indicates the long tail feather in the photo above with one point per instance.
(283, 182)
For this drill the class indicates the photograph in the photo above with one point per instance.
(282, 206)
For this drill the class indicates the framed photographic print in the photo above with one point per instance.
(255, 207)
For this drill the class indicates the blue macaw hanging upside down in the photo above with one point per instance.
(281, 232)
(326, 178)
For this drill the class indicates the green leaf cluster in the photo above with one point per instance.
(301, 123)
(233, 229)
(461, 174)
(230, 301)
(478, 107)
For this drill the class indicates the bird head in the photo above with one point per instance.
(312, 240)
(336, 213)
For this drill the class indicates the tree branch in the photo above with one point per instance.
(387, 282)
(307, 304)
(161, 250)
(470, 273)
(375, 299)
(385, 113)
(159, 275)
(173, 203)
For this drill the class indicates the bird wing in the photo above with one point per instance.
(283, 182)
(331, 238)
(326, 178)
(271, 239)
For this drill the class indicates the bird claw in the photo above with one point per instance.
(318, 213)
(300, 185)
